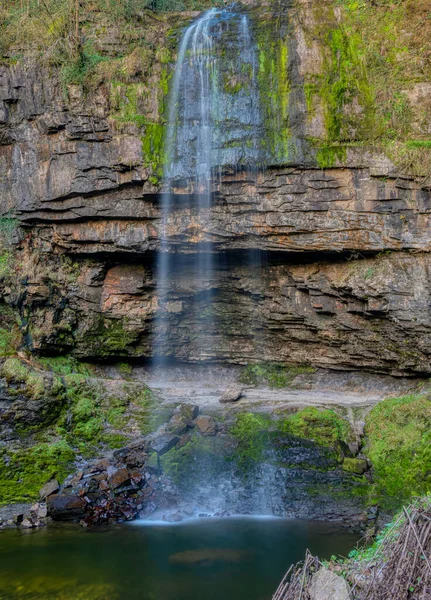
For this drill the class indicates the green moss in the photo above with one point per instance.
(114, 441)
(358, 466)
(398, 443)
(125, 102)
(272, 374)
(323, 427)
(14, 370)
(24, 472)
(77, 69)
(199, 451)
(345, 79)
(66, 365)
(251, 434)
(328, 156)
(274, 86)
(6, 264)
(35, 384)
(153, 142)
(9, 340)
(109, 337)
(418, 144)
(125, 369)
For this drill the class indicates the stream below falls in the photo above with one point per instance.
(202, 559)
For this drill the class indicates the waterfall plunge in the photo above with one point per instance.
(213, 123)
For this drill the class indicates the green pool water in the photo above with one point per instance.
(206, 559)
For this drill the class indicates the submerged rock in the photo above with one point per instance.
(206, 556)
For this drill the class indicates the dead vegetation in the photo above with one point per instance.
(396, 567)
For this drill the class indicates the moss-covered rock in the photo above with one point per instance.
(251, 434)
(323, 427)
(24, 472)
(358, 466)
(398, 444)
(272, 374)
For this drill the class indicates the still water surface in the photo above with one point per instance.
(206, 559)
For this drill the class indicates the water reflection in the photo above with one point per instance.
(233, 559)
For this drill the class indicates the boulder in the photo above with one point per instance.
(326, 585)
(206, 425)
(66, 508)
(189, 412)
(49, 488)
(39, 510)
(163, 443)
(358, 466)
(119, 478)
(178, 424)
(232, 394)
(152, 464)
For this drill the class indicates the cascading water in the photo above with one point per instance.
(213, 124)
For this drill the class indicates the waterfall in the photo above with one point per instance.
(213, 123)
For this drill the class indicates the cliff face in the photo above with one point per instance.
(322, 256)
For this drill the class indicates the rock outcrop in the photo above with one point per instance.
(322, 255)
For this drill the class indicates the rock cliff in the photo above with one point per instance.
(322, 255)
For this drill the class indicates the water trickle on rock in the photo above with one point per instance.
(213, 125)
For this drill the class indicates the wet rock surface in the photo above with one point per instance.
(201, 473)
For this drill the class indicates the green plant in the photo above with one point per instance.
(66, 365)
(251, 433)
(78, 68)
(398, 443)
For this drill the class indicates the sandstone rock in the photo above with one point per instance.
(119, 478)
(164, 443)
(206, 425)
(232, 394)
(39, 510)
(66, 508)
(51, 487)
(136, 477)
(326, 585)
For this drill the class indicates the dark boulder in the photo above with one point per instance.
(66, 508)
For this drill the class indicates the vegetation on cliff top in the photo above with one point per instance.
(376, 57)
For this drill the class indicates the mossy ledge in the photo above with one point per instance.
(57, 416)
